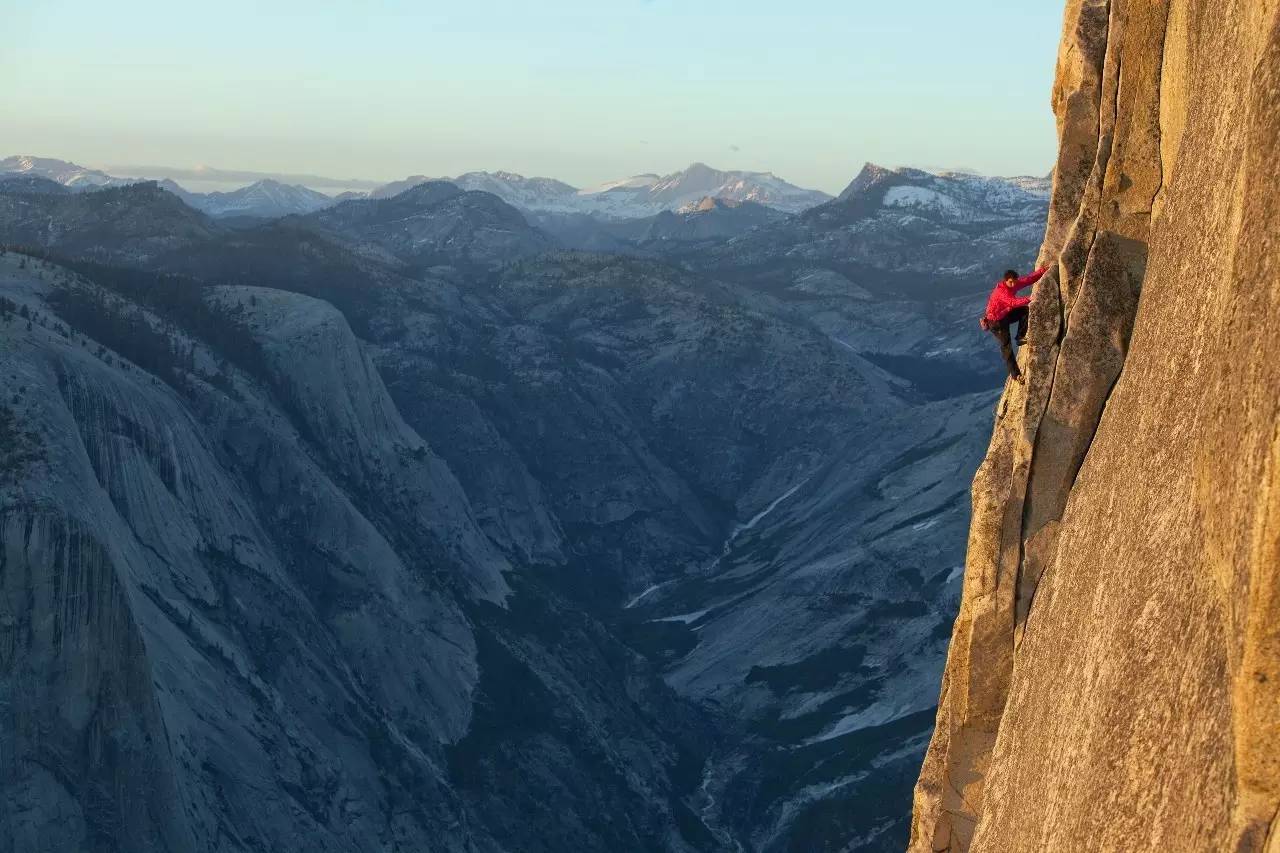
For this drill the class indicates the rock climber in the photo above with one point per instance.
(1004, 308)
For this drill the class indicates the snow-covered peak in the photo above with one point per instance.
(649, 194)
(265, 198)
(66, 173)
(700, 181)
(635, 197)
(950, 196)
(528, 193)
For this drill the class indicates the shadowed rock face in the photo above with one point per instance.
(243, 605)
(1112, 678)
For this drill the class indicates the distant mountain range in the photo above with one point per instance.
(265, 199)
(209, 174)
(887, 213)
(707, 220)
(634, 197)
(273, 195)
(436, 223)
(68, 174)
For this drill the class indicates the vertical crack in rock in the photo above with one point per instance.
(92, 759)
(1130, 489)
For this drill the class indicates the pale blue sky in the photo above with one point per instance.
(583, 90)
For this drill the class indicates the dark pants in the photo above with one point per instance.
(1001, 331)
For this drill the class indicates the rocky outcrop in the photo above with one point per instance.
(1112, 682)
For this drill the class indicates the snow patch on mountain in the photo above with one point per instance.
(922, 197)
(944, 198)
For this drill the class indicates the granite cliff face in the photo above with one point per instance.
(1113, 681)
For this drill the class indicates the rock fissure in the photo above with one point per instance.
(1130, 475)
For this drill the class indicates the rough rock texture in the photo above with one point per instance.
(1113, 681)
(244, 606)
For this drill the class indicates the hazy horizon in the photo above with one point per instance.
(584, 92)
(209, 178)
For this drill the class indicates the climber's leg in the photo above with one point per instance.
(1001, 331)
(1019, 315)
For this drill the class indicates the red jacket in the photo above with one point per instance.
(1005, 298)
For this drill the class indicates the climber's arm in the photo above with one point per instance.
(1028, 280)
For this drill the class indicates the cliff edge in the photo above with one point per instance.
(1113, 681)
